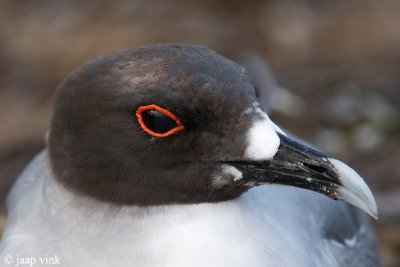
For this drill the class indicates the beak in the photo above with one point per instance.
(298, 165)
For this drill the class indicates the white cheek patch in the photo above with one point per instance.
(232, 171)
(218, 181)
(229, 174)
(262, 140)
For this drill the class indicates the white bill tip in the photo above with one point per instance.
(354, 190)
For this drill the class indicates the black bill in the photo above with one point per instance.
(298, 165)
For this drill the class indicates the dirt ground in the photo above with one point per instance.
(340, 61)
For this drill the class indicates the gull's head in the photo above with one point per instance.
(177, 123)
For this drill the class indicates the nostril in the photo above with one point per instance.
(315, 168)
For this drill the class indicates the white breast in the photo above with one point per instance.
(267, 226)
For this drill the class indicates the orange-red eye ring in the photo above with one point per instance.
(179, 124)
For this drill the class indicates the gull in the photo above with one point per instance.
(163, 155)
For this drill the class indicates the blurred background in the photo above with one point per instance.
(339, 62)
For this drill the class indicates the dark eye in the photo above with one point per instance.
(158, 122)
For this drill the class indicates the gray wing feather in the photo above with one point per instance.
(351, 235)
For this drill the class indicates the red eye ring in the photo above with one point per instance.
(164, 111)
